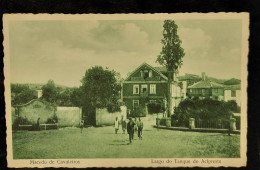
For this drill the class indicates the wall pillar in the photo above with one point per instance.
(232, 124)
(168, 122)
(192, 123)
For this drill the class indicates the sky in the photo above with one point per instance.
(62, 50)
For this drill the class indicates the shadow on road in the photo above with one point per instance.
(119, 142)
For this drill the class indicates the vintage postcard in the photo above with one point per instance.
(126, 90)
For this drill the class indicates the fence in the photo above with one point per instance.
(212, 124)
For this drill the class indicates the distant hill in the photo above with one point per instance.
(38, 86)
(219, 81)
(232, 81)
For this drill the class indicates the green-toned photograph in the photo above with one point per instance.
(157, 88)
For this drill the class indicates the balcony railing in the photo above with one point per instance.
(143, 94)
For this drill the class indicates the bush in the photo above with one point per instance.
(155, 107)
(204, 109)
(139, 111)
(52, 119)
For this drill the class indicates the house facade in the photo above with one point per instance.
(206, 89)
(187, 80)
(148, 84)
(233, 92)
(209, 89)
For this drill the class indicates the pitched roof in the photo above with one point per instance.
(232, 81)
(145, 64)
(206, 84)
(232, 87)
(188, 77)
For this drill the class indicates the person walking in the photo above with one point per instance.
(81, 125)
(135, 127)
(140, 126)
(123, 122)
(130, 129)
(38, 123)
(116, 125)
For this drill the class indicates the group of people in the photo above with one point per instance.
(132, 126)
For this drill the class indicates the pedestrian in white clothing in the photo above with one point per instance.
(116, 125)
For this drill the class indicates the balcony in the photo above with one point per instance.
(144, 94)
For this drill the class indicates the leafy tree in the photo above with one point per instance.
(64, 97)
(21, 94)
(100, 87)
(204, 109)
(171, 55)
(76, 96)
(154, 108)
(50, 92)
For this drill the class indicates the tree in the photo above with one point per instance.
(171, 55)
(154, 108)
(50, 92)
(100, 87)
(76, 96)
(21, 94)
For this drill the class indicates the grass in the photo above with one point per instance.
(102, 142)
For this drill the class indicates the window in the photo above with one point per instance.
(203, 91)
(150, 73)
(152, 101)
(191, 90)
(143, 88)
(146, 74)
(142, 74)
(173, 88)
(136, 89)
(152, 88)
(233, 93)
(215, 90)
(135, 103)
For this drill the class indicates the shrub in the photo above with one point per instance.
(139, 111)
(52, 120)
(204, 109)
(156, 107)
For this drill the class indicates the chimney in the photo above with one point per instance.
(203, 76)
(39, 93)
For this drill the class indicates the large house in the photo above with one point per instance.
(148, 84)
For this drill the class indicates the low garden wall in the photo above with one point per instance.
(150, 120)
(26, 115)
(103, 117)
(30, 112)
(69, 116)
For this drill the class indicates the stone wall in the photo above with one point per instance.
(69, 116)
(150, 120)
(103, 117)
(14, 116)
(35, 109)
